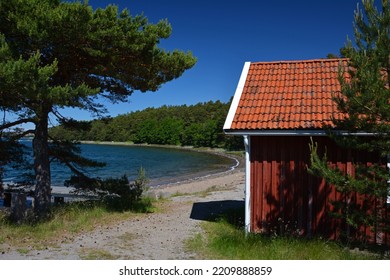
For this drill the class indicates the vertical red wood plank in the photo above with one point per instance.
(266, 184)
(258, 192)
(300, 188)
(282, 176)
(292, 186)
(311, 224)
(334, 196)
(260, 200)
(323, 192)
(255, 184)
(273, 199)
(259, 203)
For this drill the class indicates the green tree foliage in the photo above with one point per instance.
(197, 125)
(57, 54)
(365, 100)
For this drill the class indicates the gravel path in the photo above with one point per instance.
(155, 236)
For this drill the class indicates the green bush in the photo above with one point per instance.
(118, 194)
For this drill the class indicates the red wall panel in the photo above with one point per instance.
(285, 198)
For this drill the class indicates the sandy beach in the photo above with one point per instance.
(153, 236)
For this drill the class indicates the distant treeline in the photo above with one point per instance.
(197, 125)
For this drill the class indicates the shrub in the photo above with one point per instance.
(117, 193)
(120, 194)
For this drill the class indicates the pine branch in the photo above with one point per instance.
(23, 134)
(15, 123)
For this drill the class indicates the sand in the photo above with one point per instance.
(153, 236)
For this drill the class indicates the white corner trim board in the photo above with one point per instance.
(247, 143)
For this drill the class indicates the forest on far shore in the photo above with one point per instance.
(199, 125)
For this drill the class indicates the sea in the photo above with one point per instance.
(162, 165)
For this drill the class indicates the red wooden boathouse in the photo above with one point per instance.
(279, 107)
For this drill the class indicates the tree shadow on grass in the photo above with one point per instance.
(233, 211)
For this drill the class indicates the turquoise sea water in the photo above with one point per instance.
(162, 165)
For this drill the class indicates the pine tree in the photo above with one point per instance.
(365, 101)
(57, 54)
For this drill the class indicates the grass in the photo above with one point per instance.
(96, 254)
(224, 240)
(203, 193)
(221, 239)
(67, 220)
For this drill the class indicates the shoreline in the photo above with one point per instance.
(211, 182)
(237, 159)
(200, 175)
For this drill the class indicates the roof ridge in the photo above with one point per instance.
(301, 61)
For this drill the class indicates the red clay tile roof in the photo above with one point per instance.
(287, 95)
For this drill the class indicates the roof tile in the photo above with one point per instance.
(289, 95)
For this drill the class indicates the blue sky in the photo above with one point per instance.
(224, 34)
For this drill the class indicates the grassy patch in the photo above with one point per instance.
(178, 194)
(208, 191)
(23, 251)
(67, 220)
(223, 240)
(96, 254)
(203, 193)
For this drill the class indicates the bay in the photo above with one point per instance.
(162, 165)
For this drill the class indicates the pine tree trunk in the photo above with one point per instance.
(42, 168)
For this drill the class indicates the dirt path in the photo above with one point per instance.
(153, 236)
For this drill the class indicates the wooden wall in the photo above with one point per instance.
(285, 198)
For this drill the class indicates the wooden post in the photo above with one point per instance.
(18, 207)
(7, 199)
(59, 200)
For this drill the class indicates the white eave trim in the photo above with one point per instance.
(237, 96)
(292, 132)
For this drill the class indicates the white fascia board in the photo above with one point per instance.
(237, 96)
(277, 132)
(292, 132)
